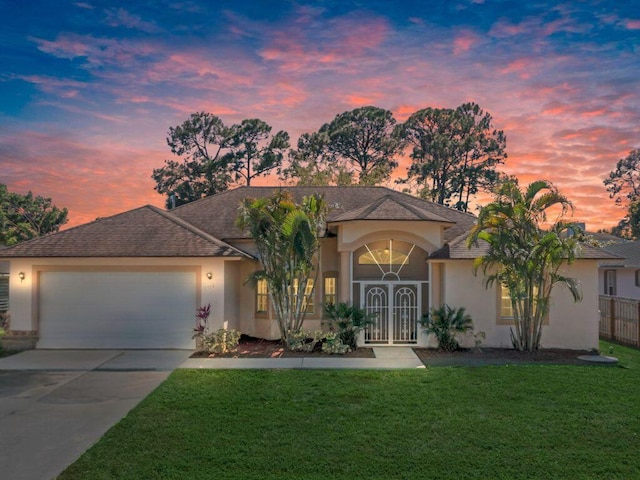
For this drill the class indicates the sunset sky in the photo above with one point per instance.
(90, 88)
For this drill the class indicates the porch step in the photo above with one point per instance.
(395, 352)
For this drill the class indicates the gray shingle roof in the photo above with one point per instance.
(217, 214)
(606, 238)
(144, 232)
(457, 249)
(628, 254)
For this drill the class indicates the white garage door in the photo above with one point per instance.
(117, 309)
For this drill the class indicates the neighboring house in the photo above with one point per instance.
(620, 277)
(134, 280)
(603, 239)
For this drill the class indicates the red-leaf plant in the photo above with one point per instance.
(202, 314)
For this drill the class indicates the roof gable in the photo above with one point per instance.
(390, 208)
(143, 232)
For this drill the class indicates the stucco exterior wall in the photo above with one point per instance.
(575, 325)
(23, 294)
(571, 325)
(625, 282)
(427, 235)
(460, 288)
(232, 283)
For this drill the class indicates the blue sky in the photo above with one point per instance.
(89, 89)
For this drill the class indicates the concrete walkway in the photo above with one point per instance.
(55, 404)
(386, 358)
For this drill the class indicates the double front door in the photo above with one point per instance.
(395, 310)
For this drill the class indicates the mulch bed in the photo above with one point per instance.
(250, 347)
(499, 356)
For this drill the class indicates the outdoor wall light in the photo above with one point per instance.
(21, 276)
(209, 275)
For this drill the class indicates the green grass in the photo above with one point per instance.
(512, 422)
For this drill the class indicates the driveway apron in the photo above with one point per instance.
(54, 404)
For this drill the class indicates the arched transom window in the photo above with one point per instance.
(389, 260)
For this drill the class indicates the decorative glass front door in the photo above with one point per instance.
(395, 307)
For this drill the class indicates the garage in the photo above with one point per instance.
(117, 309)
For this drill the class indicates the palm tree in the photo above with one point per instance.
(287, 238)
(525, 257)
(445, 322)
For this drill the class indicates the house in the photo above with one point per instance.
(620, 277)
(134, 280)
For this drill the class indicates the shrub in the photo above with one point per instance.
(220, 341)
(4, 327)
(347, 321)
(445, 322)
(306, 341)
(303, 340)
(333, 344)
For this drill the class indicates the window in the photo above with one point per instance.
(383, 256)
(307, 303)
(637, 278)
(262, 296)
(505, 308)
(609, 282)
(4, 292)
(330, 296)
(390, 260)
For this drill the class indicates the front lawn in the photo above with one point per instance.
(510, 422)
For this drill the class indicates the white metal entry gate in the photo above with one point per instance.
(395, 307)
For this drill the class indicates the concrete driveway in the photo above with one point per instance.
(54, 404)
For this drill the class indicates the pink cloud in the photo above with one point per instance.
(359, 100)
(464, 41)
(555, 108)
(97, 52)
(196, 67)
(523, 67)
(632, 24)
(64, 88)
(505, 29)
(295, 48)
(402, 112)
